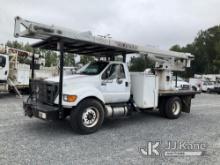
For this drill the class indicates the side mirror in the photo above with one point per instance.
(119, 81)
(107, 73)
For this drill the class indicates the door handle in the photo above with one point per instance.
(6, 72)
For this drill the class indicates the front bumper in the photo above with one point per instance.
(39, 110)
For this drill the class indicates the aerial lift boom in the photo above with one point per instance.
(88, 44)
(175, 61)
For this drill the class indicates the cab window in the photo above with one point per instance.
(2, 61)
(93, 68)
(114, 71)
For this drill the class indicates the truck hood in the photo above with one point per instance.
(76, 78)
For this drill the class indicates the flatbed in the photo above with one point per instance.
(178, 93)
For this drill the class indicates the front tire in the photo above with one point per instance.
(87, 117)
(173, 108)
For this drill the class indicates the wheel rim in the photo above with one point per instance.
(176, 108)
(90, 117)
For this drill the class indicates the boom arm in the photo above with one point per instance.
(164, 59)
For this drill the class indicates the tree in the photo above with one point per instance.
(69, 59)
(139, 64)
(50, 58)
(15, 44)
(176, 48)
(216, 61)
(86, 59)
(206, 49)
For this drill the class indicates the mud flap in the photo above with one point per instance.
(186, 100)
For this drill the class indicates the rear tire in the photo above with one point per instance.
(173, 108)
(87, 117)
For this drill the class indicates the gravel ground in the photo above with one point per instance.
(33, 141)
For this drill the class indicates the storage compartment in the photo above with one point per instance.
(144, 88)
(19, 74)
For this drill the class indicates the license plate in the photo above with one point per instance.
(42, 115)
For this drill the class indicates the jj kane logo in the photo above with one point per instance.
(173, 148)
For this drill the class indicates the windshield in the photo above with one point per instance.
(93, 68)
(208, 83)
(178, 78)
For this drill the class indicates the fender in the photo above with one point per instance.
(82, 91)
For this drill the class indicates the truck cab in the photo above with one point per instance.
(107, 81)
(207, 86)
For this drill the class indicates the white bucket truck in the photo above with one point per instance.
(15, 75)
(102, 89)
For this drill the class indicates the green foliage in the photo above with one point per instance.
(86, 59)
(15, 44)
(50, 56)
(176, 48)
(206, 49)
(139, 64)
(69, 59)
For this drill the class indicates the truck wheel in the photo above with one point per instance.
(173, 108)
(87, 117)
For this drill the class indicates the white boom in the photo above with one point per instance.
(165, 59)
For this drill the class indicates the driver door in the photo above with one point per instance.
(115, 84)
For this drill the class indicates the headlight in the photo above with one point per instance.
(69, 98)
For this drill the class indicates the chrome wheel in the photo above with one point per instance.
(176, 108)
(90, 117)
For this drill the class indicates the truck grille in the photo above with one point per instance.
(185, 87)
(44, 92)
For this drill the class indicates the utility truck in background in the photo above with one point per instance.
(180, 84)
(15, 75)
(104, 88)
(206, 83)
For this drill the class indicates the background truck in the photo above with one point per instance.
(180, 84)
(215, 80)
(14, 75)
(102, 89)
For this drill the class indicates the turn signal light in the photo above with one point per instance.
(70, 98)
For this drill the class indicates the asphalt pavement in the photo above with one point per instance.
(26, 140)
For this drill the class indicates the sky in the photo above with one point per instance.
(157, 23)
